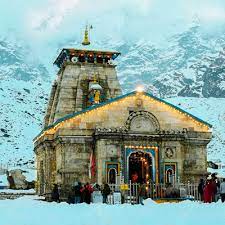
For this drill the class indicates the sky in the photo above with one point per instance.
(45, 24)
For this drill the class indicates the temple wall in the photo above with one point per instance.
(194, 162)
(106, 151)
(73, 161)
(46, 168)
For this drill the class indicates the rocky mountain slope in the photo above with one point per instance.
(191, 65)
(23, 95)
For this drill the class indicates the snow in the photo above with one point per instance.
(3, 180)
(211, 110)
(27, 210)
(30, 191)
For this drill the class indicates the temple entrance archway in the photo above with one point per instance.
(140, 167)
(112, 176)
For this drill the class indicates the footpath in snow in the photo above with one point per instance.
(27, 211)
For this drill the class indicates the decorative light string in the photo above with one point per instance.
(102, 108)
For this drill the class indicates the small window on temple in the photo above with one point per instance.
(81, 58)
(91, 58)
(107, 58)
(99, 59)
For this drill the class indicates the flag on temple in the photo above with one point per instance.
(92, 165)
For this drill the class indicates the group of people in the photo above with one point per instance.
(81, 193)
(211, 189)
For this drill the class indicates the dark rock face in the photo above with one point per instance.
(214, 79)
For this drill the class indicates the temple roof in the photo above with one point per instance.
(66, 53)
(69, 116)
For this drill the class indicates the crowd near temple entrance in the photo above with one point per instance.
(94, 134)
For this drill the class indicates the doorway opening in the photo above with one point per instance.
(140, 167)
(112, 176)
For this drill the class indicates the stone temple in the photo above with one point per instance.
(94, 133)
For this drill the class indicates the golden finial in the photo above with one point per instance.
(86, 37)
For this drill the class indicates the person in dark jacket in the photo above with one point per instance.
(77, 192)
(105, 192)
(55, 193)
(86, 193)
(201, 189)
(214, 186)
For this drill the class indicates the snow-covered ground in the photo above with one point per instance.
(30, 191)
(27, 211)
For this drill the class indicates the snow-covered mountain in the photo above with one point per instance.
(191, 65)
(24, 90)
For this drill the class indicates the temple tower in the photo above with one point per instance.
(85, 77)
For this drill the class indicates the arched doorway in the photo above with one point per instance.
(112, 176)
(140, 167)
(170, 176)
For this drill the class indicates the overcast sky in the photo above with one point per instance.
(49, 22)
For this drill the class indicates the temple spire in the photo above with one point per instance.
(86, 37)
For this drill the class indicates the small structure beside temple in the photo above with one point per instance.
(93, 133)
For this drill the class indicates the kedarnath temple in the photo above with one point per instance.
(94, 133)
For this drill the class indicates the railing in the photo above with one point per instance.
(130, 192)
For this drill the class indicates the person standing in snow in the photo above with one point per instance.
(201, 189)
(55, 193)
(105, 192)
(222, 190)
(86, 193)
(214, 187)
(77, 192)
(208, 191)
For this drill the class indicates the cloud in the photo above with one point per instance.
(54, 22)
(212, 14)
(53, 14)
(50, 17)
(207, 11)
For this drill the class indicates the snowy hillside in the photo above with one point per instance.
(22, 111)
(191, 65)
(211, 110)
(24, 90)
